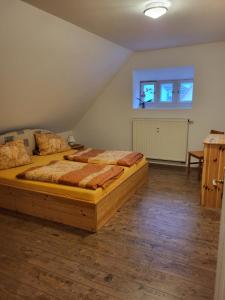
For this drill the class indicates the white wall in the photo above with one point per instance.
(50, 70)
(108, 121)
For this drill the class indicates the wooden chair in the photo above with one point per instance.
(199, 155)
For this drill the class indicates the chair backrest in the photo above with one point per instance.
(212, 131)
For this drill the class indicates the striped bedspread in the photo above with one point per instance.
(78, 174)
(114, 157)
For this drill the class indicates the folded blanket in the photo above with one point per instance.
(77, 174)
(114, 157)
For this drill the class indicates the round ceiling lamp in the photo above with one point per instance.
(156, 9)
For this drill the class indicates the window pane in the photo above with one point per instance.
(186, 91)
(148, 92)
(166, 92)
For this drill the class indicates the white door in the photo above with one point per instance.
(220, 275)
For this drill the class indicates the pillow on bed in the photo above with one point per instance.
(13, 154)
(49, 143)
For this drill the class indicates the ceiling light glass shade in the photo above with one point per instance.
(157, 8)
(155, 12)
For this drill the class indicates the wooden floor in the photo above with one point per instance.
(160, 246)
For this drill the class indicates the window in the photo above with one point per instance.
(186, 91)
(148, 91)
(166, 93)
(163, 88)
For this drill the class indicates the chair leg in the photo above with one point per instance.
(189, 162)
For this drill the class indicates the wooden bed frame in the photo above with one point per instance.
(74, 212)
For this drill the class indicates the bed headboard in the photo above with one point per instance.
(27, 135)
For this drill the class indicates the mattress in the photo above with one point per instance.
(8, 177)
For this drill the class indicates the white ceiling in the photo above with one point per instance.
(122, 21)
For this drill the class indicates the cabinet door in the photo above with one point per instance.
(142, 132)
(172, 143)
(210, 172)
(146, 137)
(163, 139)
(220, 176)
(155, 141)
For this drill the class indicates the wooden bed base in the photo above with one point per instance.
(74, 212)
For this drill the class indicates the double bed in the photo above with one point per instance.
(79, 207)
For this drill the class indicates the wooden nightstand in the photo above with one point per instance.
(77, 146)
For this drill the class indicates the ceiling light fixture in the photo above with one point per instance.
(156, 9)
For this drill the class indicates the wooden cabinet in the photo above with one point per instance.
(213, 171)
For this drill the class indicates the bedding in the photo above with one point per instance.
(49, 143)
(78, 174)
(13, 154)
(114, 157)
(8, 178)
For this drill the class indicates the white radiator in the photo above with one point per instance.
(162, 139)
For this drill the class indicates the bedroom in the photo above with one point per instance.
(70, 69)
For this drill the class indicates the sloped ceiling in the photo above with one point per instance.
(122, 21)
(50, 70)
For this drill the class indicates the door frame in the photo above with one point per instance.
(220, 274)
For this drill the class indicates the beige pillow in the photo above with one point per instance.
(49, 143)
(13, 154)
(27, 135)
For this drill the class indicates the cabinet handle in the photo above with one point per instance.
(217, 181)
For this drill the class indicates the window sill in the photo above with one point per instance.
(163, 108)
